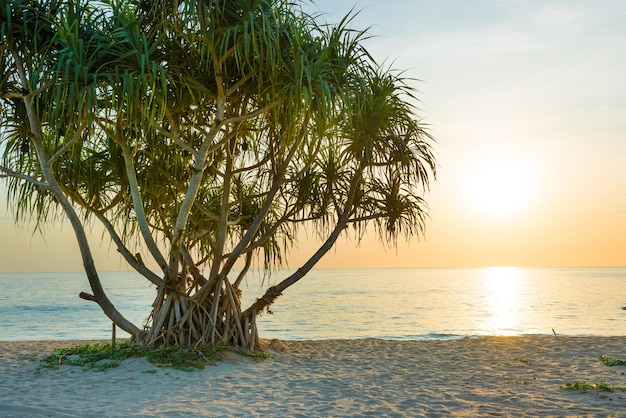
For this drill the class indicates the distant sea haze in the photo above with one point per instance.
(349, 303)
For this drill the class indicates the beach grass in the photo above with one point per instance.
(600, 386)
(101, 356)
(611, 362)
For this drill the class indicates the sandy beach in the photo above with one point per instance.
(490, 376)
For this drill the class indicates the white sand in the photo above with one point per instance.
(492, 376)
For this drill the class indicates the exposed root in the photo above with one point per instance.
(209, 317)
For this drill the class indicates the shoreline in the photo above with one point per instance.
(482, 376)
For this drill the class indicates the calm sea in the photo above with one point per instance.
(350, 303)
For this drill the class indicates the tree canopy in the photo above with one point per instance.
(205, 136)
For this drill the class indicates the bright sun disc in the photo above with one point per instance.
(499, 186)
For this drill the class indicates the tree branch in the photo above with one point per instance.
(134, 261)
(260, 164)
(88, 263)
(275, 291)
(10, 173)
(68, 145)
(240, 83)
(254, 114)
(11, 95)
(174, 135)
(136, 198)
(276, 184)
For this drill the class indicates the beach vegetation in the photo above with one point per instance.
(29, 357)
(611, 362)
(206, 138)
(516, 382)
(599, 386)
(103, 356)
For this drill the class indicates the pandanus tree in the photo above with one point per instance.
(204, 136)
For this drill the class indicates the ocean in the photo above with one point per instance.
(349, 303)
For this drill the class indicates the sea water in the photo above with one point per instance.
(348, 303)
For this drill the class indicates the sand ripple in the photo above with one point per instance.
(491, 376)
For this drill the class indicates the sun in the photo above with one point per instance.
(499, 185)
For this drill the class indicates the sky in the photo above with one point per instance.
(527, 102)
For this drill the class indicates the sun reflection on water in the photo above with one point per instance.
(502, 286)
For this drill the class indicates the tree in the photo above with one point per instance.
(204, 135)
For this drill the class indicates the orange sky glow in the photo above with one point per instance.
(528, 105)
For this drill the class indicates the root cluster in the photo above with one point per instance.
(211, 315)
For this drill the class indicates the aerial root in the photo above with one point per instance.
(180, 319)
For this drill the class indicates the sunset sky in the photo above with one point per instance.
(527, 100)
